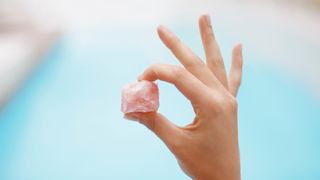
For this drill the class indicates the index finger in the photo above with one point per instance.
(187, 58)
(185, 82)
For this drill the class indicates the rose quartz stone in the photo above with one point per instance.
(140, 96)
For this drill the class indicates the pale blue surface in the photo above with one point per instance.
(65, 122)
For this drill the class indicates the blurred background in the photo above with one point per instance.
(64, 62)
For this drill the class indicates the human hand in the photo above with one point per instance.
(208, 147)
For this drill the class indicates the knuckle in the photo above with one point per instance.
(232, 103)
(194, 62)
(179, 72)
(210, 33)
(238, 81)
(223, 103)
(155, 68)
(213, 103)
(217, 60)
(174, 44)
(217, 104)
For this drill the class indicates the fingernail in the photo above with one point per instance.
(208, 20)
(165, 29)
(139, 78)
(241, 47)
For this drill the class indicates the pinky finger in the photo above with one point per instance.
(236, 70)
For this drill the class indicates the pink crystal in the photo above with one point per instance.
(140, 96)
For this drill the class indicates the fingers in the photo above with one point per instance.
(156, 122)
(236, 70)
(212, 51)
(185, 82)
(187, 58)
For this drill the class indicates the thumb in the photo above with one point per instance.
(160, 125)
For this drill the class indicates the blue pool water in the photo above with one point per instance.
(65, 122)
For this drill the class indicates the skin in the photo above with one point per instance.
(206, 149)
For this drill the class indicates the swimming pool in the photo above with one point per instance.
(65, 123)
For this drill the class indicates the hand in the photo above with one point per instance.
(208, 147)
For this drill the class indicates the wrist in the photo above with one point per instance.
(225, 172)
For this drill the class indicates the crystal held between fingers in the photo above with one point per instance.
(140, 96)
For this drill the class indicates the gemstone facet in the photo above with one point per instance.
(140, 96)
